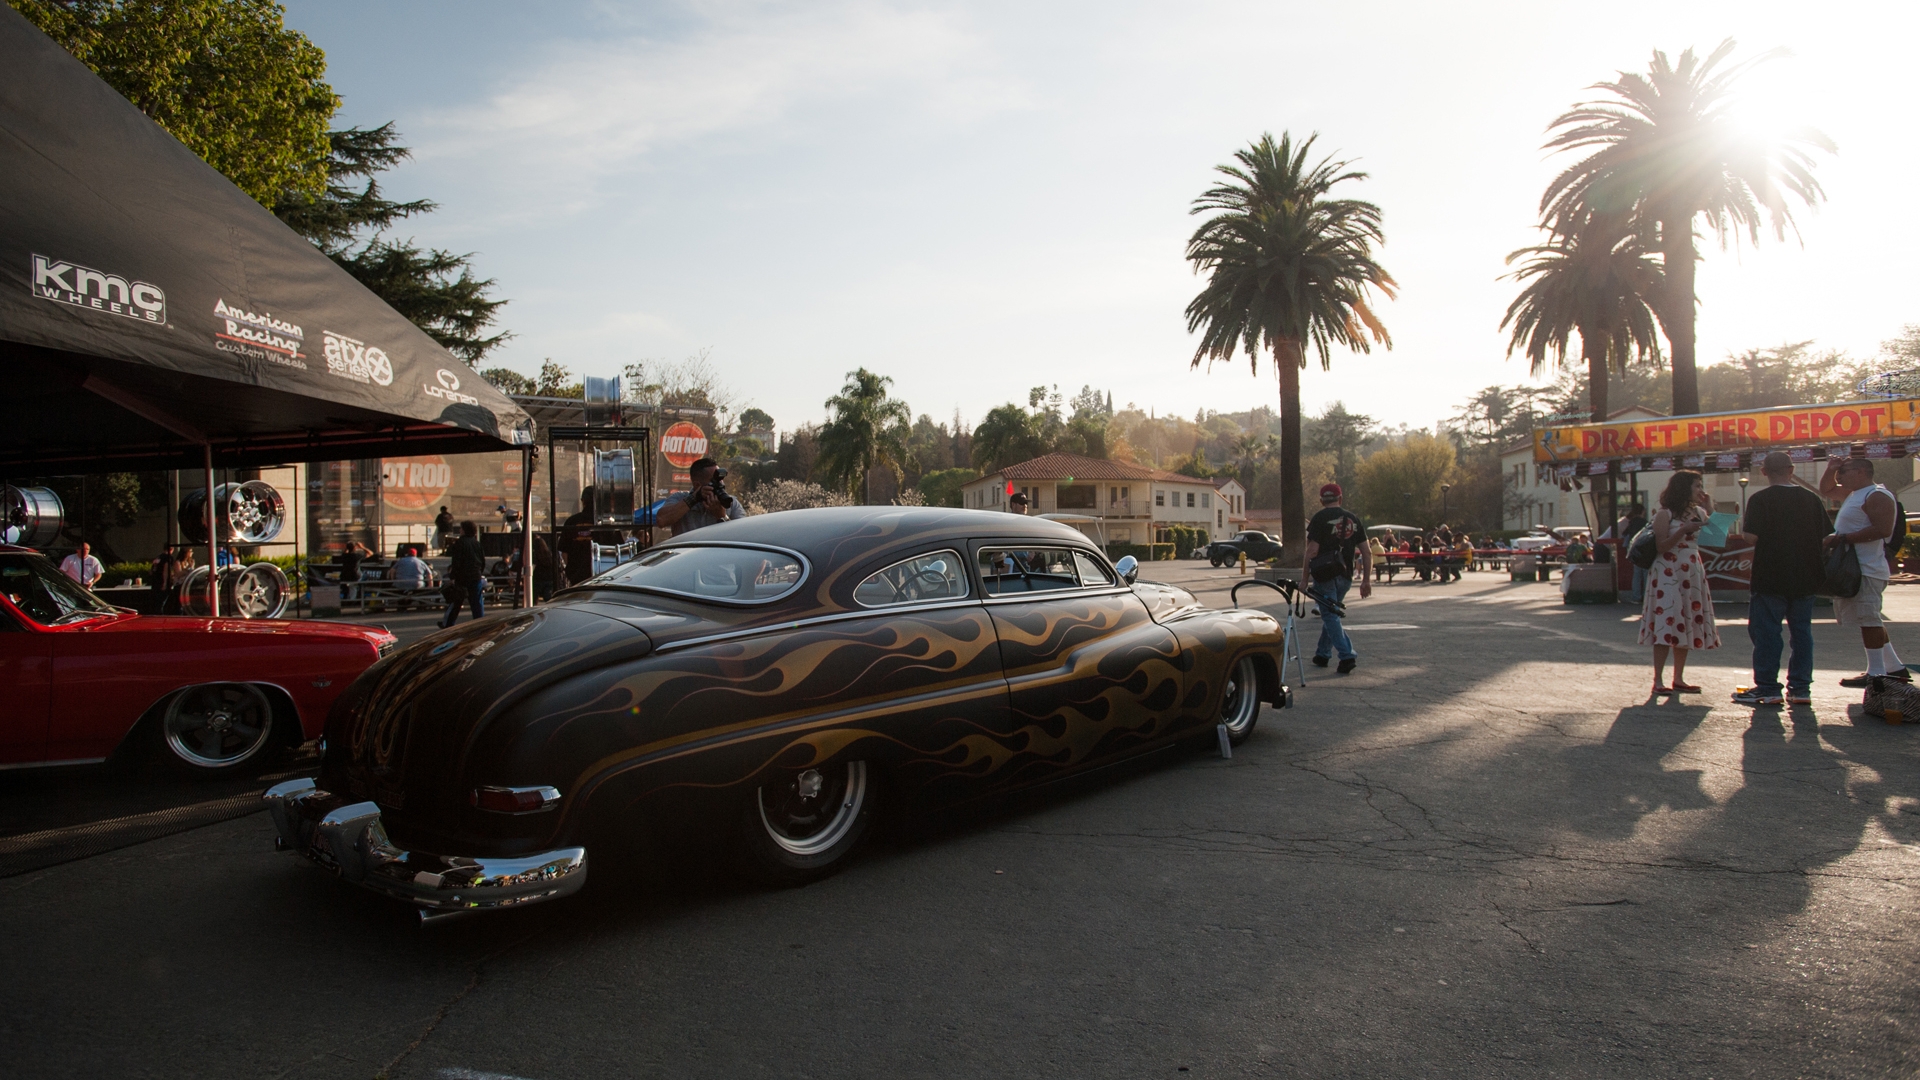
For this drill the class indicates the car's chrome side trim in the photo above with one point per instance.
(51, 764)
(817, 620)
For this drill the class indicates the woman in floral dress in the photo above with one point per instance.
(1677, 612)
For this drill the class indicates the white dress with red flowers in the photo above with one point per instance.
(1678, 609)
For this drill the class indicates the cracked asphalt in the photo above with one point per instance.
(1483, 854)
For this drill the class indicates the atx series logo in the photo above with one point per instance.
(261, 337)
(79, 286)
(356, 360)
(449, 388)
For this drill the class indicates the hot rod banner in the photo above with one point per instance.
(1761, 430)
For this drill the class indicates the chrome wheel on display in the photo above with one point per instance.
(257, 592)
(217, 727)
(247, 513)
(1240, 700)
(803, 825)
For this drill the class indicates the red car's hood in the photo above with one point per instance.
(184, 624)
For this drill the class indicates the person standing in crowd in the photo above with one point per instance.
(1625, 530)
(576, 539)
(1336, 541)
(467, 575)
(1017, 503)
(1865, 520)
(705, 504)
(182, 568)
(350, 561)
(411, 574)
(443, 529)
(82, 567)
(1677, 613)
(543, 575)
(163, 577)
(1786, 523)
(1422, 564)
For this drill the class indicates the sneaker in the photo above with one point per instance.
(1864, 679)
(1346, 666)
(1799, 697)
(1754, 698)
(1320, 661)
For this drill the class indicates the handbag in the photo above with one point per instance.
(1644, 549)
(1843, 572)
(452, 593)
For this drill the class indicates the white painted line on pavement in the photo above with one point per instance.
(1380, 626)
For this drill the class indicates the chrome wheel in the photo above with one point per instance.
(218, 725)
(258, 592)
(814, 810)
(1240, 700)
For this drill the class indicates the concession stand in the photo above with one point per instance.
(1639, 455)
(153, 316)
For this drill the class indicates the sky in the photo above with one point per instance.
(975, 199)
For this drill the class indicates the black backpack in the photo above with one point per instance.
(1899, 536)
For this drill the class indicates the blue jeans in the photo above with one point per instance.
(1764, 612)
(1333, 636)
(1639, 594)
(473, 598)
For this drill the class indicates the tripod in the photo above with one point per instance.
(1297, 597)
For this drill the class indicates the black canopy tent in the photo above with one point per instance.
(154, 316)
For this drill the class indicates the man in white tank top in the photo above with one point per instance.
(1865, 520)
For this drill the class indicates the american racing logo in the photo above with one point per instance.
(260, 337)
(67, 283)
(356, 360)
(449, 387)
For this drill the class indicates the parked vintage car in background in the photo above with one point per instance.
(1256, 545)
(776, 681)
(84, 679)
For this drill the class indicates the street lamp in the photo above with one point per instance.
(1444, 488)
(1744, 481)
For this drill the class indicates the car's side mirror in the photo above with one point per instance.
(1128, 568)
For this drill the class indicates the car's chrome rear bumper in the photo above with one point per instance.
(349, 839)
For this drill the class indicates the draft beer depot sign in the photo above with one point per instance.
(1758, 430)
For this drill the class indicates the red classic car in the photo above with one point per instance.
(83, 678)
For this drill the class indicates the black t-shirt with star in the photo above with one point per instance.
(1336, 525)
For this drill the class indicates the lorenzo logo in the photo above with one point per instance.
(353, 359)
(449, 388)
(261, 337)
(78, 286)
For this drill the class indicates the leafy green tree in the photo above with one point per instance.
(1400, 484)
(1668, 148)
(1340, 433)
(436, 290)
(752, 419)
(225, 77)
(1008, 435)
(508, 381)
(1596, 281)
(869, 431)
(1288, 267)
(556, 381)
(1090, 402)
(941, 487)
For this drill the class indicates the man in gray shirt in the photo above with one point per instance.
(703, 506)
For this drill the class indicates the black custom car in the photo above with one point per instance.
(779, 679)
(1258, 547)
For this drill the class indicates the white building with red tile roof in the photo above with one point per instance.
(1129, 504)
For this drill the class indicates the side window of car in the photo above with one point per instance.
(1008, 571)
(934, 576)
(1092, 574)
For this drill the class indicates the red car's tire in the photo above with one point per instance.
(215, 729)
(803, 825)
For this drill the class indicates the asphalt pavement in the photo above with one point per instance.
(1485, 853)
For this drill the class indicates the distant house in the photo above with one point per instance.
(1129, 504)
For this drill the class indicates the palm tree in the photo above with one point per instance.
(1008, 435)
(1287, 267)
(1596, 281)
(1669, 149)
(869, 430)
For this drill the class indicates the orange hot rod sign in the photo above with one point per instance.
(1762, 429)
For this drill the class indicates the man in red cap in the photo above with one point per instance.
(1336, 543)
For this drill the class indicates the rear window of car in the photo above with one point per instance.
(1013, 570)
(734, 574)
(939, 575)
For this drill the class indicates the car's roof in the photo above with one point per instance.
(835, 535)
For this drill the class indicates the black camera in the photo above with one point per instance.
(720, 484)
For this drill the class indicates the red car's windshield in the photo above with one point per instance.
(43, 593)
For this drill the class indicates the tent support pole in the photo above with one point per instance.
(213, 539)
(526, 525)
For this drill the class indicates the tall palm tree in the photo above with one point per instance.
(1669, 149)
(869, 430)
(1596, 281)
(1288, 267)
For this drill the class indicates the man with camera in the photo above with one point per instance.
(707, 504)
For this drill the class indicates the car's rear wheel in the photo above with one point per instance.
(1214, 559)
(1240, 700)
(803, 824)
(217, 728)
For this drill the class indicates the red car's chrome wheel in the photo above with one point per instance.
(217, 726)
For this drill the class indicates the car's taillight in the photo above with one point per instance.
(516, 800)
